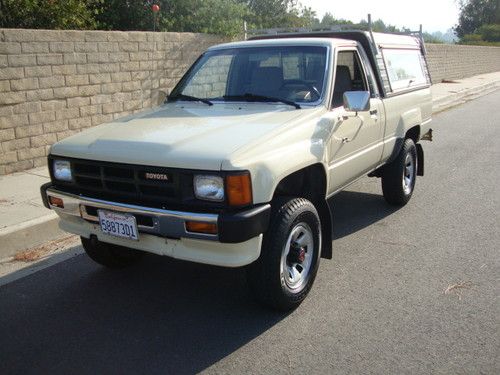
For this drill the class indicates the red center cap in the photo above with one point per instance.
(302, 255)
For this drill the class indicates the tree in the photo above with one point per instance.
(490, 33)
(124, 15)
(476, 13)
(47, 14)
(223, 17)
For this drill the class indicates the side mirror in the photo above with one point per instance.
(357, 101)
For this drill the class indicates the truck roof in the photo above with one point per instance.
(298, 41)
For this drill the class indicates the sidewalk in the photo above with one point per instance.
(25, 222)
(447, 95)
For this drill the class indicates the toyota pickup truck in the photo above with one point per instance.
(236, 168)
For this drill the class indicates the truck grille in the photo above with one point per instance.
(123, 180)
(135, 184)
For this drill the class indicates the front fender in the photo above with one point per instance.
(294, 147)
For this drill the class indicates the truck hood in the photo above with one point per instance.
(192, 135)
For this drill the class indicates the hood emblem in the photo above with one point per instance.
(156, 176)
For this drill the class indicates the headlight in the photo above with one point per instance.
(209, 188)
(62, 170)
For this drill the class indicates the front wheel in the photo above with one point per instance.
(285, 271)
(399, 177)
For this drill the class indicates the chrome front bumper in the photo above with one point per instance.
(164, 223)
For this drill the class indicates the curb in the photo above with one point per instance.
(463, 96)
(38, 231)
(29, 234)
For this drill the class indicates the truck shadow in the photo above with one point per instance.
(353, 211)
(162, 316)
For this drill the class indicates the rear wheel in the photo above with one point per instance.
(399, 177)
(284, 273)
(109, 255)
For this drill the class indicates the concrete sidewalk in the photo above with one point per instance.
(25, 222)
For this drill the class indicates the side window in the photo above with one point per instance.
(404, 68)
(211, 80)
(349, 76)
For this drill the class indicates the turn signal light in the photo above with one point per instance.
(200, 227)
(54, 201)
(239, 189)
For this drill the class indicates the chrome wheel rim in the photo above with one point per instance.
(297, 257)
(408, 173)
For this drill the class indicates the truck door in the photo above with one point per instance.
(355, 146)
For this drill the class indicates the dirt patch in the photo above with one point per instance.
(48, 248)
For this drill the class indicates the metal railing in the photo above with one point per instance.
(335, 28)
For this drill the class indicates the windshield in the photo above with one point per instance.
(284, 73)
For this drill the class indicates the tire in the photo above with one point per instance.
(284, 273)
(109, 255)
(399, 177)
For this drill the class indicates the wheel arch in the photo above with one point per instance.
(311, 183)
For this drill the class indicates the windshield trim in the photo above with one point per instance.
(321, 100)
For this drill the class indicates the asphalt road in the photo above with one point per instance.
(378, 307)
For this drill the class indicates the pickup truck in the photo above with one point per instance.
(236, 168)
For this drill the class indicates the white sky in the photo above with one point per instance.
(434, 15)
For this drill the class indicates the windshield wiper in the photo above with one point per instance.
(189, 98)
(249, 97)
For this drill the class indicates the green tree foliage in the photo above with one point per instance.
(123, 15)
(479, 22)
(490, 33)
(223, 17)
(265, 14)
(476, 13)
(48, 14)
(486, 35)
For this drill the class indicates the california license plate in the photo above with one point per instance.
(118, 224)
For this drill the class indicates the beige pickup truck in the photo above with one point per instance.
(236, 167)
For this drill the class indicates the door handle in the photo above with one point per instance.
(373, 112)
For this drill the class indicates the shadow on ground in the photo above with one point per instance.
(161, 316)
(353, 211)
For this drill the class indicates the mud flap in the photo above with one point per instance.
(325, 215)
(420, 160)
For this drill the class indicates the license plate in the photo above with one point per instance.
(118, 224)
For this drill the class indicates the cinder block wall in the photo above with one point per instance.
(56, 83)
(450, 61)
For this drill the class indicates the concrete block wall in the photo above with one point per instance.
(452, 62)
(56, 83)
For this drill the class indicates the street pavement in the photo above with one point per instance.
(380, 306)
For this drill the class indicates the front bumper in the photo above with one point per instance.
(164, 232)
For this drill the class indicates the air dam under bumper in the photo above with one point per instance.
(163, 232)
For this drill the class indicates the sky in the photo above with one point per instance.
(434, 15)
